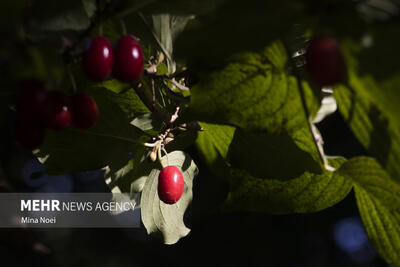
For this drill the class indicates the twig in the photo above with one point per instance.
(72, 79)
(153, 90)
(175, 115)
(162, 97)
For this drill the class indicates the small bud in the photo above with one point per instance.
(153, 155)
(160, 57)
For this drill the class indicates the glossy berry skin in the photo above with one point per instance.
(30, 98)
(170, 184)
(128, 59)
(325, 62)
(85, 111)
(98, 59)
(58, 110)
(29, 134)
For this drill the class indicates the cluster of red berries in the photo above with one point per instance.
(126, 61)
(38, 109)
(170, 184)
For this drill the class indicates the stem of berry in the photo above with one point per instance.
(123, 27)
(166, 154)
(304, 104)
(72, 79)
(160, 158)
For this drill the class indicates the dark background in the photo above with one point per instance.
(333, 237)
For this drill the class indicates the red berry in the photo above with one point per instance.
(58, 110)
(170, 184)
(325, 62)
(129, 59)
(98, 59)
(30, 99)
(28, 134)
(85, 111)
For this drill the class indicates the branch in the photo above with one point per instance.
(159, 112)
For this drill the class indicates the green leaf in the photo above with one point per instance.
(307, 193)
(369, 104)
(267, 179)
(253, 92)
(160, 217)
(165, 29)
(214, 141)
(118, 197)
(111, 30)
(49, 16)
(129, 178)
(145, 122)
(251, 151)
(162, 69)
(183, 7)
(125, 97)
(107, 143)
(90, 7)
(114, 86)
(378, 199)
(285, 159)
(162, 28)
